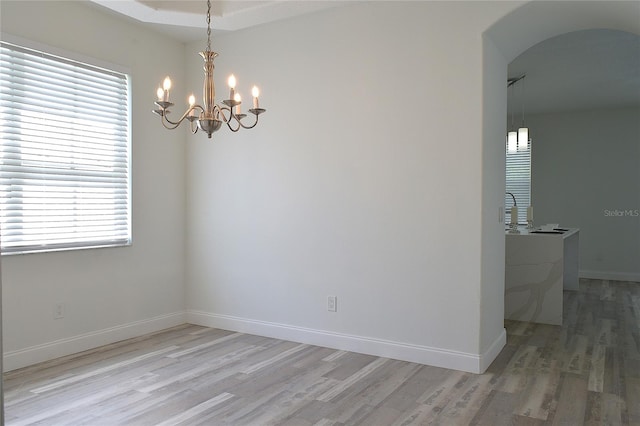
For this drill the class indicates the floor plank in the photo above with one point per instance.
(584, 372)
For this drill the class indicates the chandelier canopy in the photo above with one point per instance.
(211, 116)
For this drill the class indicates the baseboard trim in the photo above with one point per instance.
(445, 358)
(492, 353)
(612, 276)
(47, 351)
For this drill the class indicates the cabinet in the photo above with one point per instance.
(538, 268)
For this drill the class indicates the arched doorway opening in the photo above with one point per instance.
(516, 32)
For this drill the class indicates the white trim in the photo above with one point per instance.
(612, 276)
(236, 18)
(491, 354)
(474, 363)
(71, 345)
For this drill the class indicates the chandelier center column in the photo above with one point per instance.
(209, 89)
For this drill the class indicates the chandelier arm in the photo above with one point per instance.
(193, 127)
(252, 126)
(216, 112)
(221, 110)
(168, 124)
(228, 123)
(232, 117)
(181, 119)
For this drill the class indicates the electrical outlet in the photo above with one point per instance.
(332, 304)
(58, 311)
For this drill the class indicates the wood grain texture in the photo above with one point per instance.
(586, 371)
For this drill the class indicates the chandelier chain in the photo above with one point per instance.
(208, 25)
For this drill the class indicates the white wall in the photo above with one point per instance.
(493, 186)
(359, 182)
(586, 174)
(110, 293)
(362, 183)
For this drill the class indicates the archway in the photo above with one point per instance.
(521, 29)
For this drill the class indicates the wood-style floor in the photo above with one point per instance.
(585, 372)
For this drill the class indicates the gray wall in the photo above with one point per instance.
(586, 174)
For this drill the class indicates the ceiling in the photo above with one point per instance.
(185, 20)
(579, 70)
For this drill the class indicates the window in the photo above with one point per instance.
(518, 183)
(64, 153)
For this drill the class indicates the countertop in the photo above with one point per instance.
(524, 232)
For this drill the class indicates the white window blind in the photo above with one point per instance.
(64, 154)
(518, 183)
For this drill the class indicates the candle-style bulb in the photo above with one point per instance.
(192, 101)
(238, 99)
(255, 92)
(166, 85)
(160, 93)
(232, 85)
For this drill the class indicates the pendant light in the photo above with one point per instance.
(523, 131)
(517, 140)
(512, 136)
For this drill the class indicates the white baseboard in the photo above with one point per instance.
(490, 354)
(612, 276)
(474, 363)
(51, 350)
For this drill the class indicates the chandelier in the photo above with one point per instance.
(210, 117)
